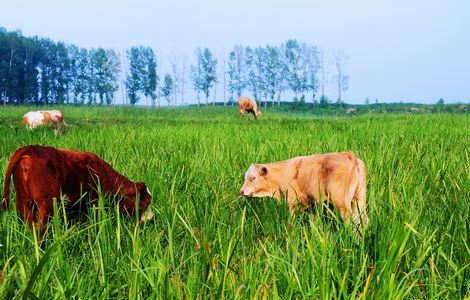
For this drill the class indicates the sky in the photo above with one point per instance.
(410, 51)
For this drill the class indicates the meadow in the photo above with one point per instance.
(205, 242)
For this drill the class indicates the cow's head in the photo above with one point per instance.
(258, 114)
(257, 182)
(136, 190)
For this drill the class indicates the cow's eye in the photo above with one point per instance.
(252, 178)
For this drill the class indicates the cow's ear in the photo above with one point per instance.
(133, 189)
(263, 171)
(140, 187)
(143, 189)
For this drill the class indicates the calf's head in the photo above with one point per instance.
(257, 182)
(137, 190)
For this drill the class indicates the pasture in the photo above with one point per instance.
(206, 242)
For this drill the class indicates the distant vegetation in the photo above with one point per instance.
(36, 70)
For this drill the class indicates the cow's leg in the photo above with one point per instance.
(43, 191)
(57, 128)
(292, 201)
(24, 200)
(345, 214)
(360, 195)
(342, 203)
(25, 210)
(25, 206)
(44, 213)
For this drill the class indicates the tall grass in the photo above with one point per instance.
(206, 242)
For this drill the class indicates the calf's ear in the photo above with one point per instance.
(134, 188)
(263, 171)
(142, 188)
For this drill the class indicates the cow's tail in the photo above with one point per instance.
(15, 159)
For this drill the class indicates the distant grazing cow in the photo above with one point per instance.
(53, 118)
(43, 173)
(336, 177)
(248, 105)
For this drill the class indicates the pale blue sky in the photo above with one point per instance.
(399, 50)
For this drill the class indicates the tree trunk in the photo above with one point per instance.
(182, 83)
(339, 89)
(9, 72)
(215, 93)
(174, 101)
(225, 83)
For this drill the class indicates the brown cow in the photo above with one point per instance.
(248, 105)
(43, 173)
(336, 177)
(53, 118)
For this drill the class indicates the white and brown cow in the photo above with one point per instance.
(53, 118)
(248, 105)
(336, 177)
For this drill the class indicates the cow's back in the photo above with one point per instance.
(33, 119)
(246, 103)
(57, 171)
(324, 173)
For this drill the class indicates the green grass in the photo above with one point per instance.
(205, 242)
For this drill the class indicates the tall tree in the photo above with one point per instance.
(313, 65)
(261, 64)
(323, 71)
(272, 71)
(209, 72)
(176, 80)
(46, 67)
(297, 72)
(106, 66)
(61, 73)
(224, 88)
(251, 74)
(197, 75)
(167, 88)
(13, 63)
(282, 74)
(340, 79)
(149, 77)
(134, 79)
(236, 72)
(183, 79)
(31, 62)
(83, 84)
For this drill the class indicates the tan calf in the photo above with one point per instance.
(336, 177)
(248, 105)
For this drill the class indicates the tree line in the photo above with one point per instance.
(37, 70)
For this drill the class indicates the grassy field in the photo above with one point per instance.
(206, 242)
